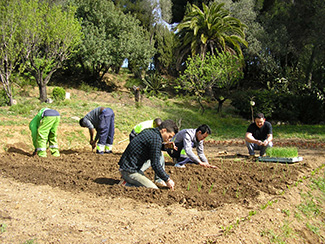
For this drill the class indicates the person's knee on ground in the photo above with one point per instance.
(138, 179)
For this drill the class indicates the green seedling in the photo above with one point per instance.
(199, 186)
(282, 152)
(224, 191)
(269, 203)
(252, 213)
(188, 185)
(30, 241)
(286, 212)
(210, 190)
(3, 228)
(237, 192)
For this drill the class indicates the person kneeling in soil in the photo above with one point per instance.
(187, 139)
(136, 130)
(259, 135)
(144, 125)
(147, 146)
(101, 119)
(44, 129)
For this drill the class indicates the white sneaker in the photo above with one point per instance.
(180, 165)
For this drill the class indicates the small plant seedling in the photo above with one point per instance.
(237, 192)
(224, 191)
(282, 152)
(286, 212)
(3, 228)
(188, 185)
(199, 186)
(252, 213)
(210, 190)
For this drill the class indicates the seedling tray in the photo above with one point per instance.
(280, 160)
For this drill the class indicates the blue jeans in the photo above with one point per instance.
(252, 147)
(106, 127)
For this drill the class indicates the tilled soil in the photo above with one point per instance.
(237, 186)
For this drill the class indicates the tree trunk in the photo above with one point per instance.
(42, 92)
(308, 74)
(201, 105)
(220, 104)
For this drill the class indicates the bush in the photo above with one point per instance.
(4, 99)
(263, 102)
(303, 108)
(58, 93)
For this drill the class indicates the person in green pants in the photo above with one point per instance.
(44, 129)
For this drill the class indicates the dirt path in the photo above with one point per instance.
(76, 199)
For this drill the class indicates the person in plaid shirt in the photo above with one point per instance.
(147, 146)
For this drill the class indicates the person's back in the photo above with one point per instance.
(44, 130)
(144, 125)
(100, 119)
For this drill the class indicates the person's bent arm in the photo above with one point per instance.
(268, 140)
(207, 165)
(250, 138)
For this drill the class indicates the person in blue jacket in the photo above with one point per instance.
(102, 120)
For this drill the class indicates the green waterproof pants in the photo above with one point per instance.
(47, 132)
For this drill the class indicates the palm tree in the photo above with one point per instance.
(211, 30)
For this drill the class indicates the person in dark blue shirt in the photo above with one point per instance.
(259, 135)
(147, 146)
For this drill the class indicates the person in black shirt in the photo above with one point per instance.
(147, 145)
(259, 135)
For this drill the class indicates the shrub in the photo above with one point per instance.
(287, 107)
(263, 102)
(58, 93)
(154, 84)
(4, 100)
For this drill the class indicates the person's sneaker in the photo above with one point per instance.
(160, 183)
(122, 182)
(180, 165)
(99, 152)
(108, 152)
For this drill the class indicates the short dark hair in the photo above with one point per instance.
(259, 116)
(157, 121)
(81, 122)
(204, 128)
(169, 125)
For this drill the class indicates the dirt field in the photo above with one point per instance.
(76, 199)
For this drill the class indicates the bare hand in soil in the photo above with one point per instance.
(170, 183)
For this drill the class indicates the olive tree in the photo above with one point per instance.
(17, 23)
(111, 37)
(57, 35)
(219, 72)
